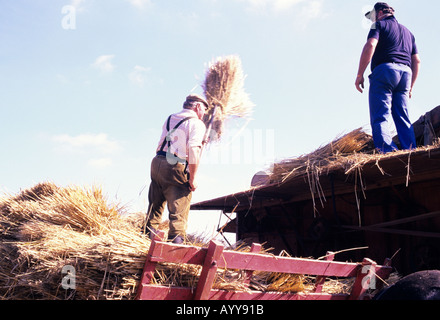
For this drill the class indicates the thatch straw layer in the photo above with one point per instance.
(324, 158)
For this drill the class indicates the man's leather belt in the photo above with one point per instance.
(165, 154)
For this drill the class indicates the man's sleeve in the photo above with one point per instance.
(196, 133)
(375, 31)
(162, 135)
(415, 50)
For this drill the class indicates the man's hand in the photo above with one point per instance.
(360, 83)
(192, 185)
(366, 56)
(193, 164)
(415, 67)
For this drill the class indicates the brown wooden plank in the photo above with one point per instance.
(413, 233)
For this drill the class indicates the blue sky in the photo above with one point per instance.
(85, 85)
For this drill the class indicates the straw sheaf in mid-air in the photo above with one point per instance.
(224, 90)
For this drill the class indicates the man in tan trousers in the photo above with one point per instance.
(174, 168)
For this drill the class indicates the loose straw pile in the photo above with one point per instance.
(46, 228)
(224, 90)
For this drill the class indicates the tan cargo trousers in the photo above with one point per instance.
(169, 183)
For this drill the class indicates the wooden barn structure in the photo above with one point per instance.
(383, 205)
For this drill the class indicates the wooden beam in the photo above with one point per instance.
(319, 282)
(408, 219)
(150, 265)
(209, 270)
(155, 292)
(364, 280)
(396, 231)
(255, 248)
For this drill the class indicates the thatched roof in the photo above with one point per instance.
(324, 158)
(348, 160)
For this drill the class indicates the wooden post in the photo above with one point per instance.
(150, 266)
(319, 282)
(381, 282)
(209, 270)
(366, 279)
(255, 248)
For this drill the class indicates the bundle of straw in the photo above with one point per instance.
(224, 90)
(46, 228)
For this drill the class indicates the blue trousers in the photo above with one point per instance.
(390, 84)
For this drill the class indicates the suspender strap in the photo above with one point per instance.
(168, 136)
(165, 140)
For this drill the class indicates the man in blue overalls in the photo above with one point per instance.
(395, 64)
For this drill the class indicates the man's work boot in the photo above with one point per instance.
(152, 233)
(176, 240)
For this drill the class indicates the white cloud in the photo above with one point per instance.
(271, 5)
(311, 10)
(100, 163)
(138, 75)
(281, 5)
(140, 4)
(78, 5)
(306, 10)
(87, 142)
(61, 78)
(256, 5)
(104, 63)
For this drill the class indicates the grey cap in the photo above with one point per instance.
(198, 98)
